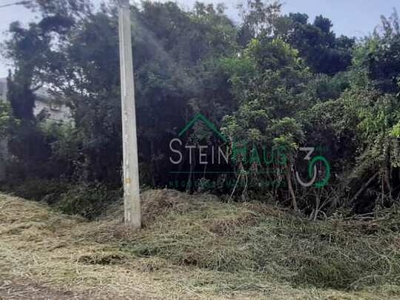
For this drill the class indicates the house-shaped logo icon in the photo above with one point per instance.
(208, 123)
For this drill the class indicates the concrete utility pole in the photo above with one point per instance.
(129, 137)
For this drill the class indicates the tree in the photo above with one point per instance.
(378, 56)
(316, 42)
(270, 81)
(258, 17)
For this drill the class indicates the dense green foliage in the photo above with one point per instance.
(271, 82)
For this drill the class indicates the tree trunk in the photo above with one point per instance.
(291, 190)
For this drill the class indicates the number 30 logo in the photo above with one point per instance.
(313, 171)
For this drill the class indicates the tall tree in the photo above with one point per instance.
(316, 42)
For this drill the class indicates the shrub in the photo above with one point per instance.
(88, 200)
(37, 189)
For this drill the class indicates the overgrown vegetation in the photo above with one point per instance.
(87, 200)
(271, 81)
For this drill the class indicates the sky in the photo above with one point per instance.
(350, 17)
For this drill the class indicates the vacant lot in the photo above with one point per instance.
(195, 247)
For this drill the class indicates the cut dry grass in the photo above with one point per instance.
(195, 247)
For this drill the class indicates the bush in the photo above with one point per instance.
(37, 189)
(88, 201)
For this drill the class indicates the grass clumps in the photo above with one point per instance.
(252, 238)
